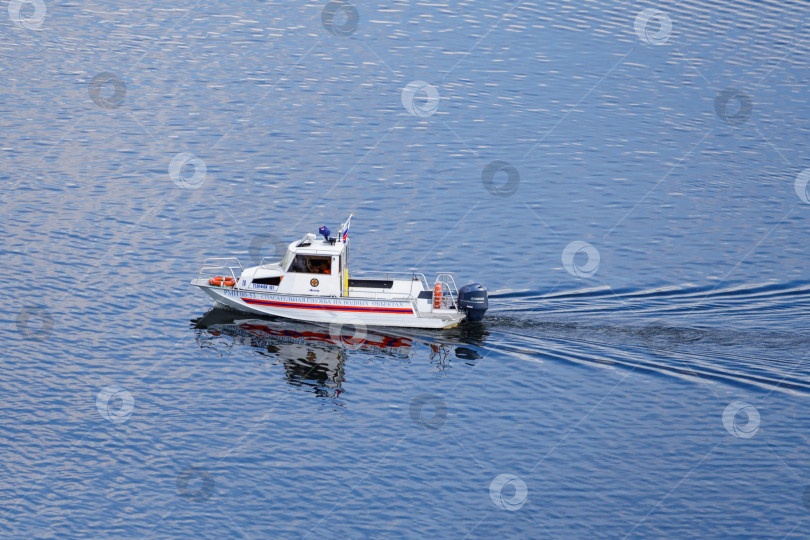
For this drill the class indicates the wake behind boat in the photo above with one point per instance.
(312, 283)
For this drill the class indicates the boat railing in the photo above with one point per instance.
(221, 265)
(449, 298)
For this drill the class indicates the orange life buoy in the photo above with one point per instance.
(219, 281)
(437, 296)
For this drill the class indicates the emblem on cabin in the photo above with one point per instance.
(314, 282)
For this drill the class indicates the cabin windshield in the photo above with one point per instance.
(285, 261)
(311, 264)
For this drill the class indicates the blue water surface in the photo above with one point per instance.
(626, 179)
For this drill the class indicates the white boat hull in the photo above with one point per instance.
(368, 312)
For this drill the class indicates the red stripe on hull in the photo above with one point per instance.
(404, 311)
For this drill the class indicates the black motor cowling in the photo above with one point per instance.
(472, 298)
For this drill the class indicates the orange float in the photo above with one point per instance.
(437, 296)
(219, 281)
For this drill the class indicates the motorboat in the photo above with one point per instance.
(312, 282)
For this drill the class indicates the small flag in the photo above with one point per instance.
(344, 229)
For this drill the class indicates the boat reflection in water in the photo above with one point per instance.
(314, 355)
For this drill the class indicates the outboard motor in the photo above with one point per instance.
(473, 299)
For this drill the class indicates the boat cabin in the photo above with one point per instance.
(311, 266)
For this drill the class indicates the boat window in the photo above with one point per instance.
(311, 264)
(268, 281)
